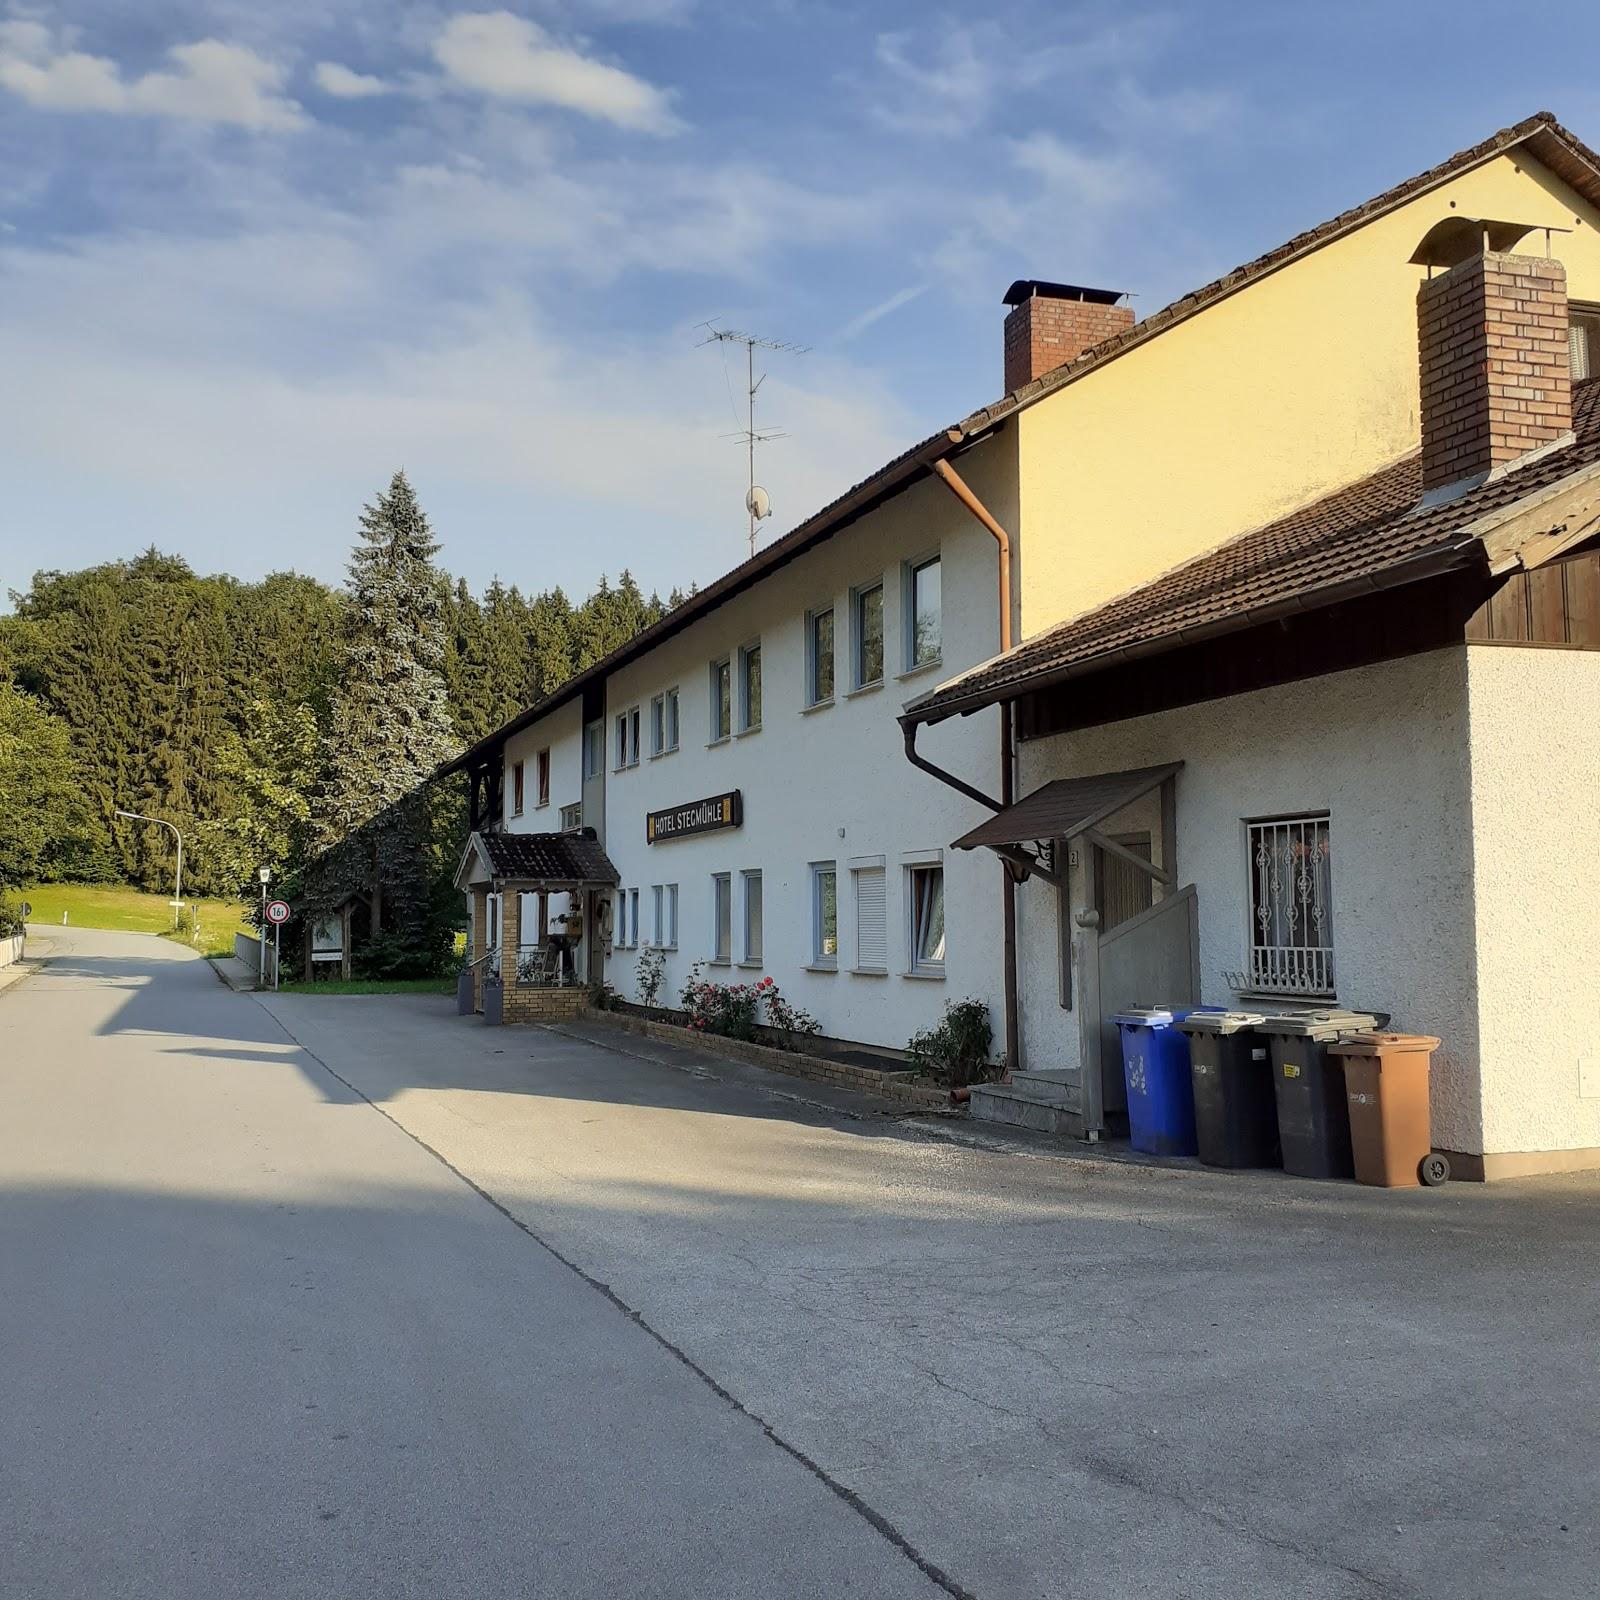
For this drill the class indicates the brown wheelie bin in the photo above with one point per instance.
(1386, 1083)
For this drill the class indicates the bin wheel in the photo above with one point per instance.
(1434, 1170)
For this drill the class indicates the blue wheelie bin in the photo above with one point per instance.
(1155, 1064)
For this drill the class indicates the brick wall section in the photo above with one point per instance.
(815, 1068)
(1043, 333)
(1492, 346)
(526, 1004)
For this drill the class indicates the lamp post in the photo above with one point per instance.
(177, 892)
(265, 874)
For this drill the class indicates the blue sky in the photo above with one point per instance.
(253, 257)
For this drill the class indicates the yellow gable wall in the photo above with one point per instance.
(1299, 384)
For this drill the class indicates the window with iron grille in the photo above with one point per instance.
(1291, 906)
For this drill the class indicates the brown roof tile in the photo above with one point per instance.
(1372, 534)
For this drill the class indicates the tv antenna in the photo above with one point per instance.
(757, 502)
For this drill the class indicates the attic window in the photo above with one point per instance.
(1583, 342)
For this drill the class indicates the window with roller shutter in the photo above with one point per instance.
(872, 924)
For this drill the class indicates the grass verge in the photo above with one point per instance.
(373, 986)
(125, 910)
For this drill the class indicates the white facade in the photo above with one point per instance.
(1536, 854)
(1461, 792)
(821, 786)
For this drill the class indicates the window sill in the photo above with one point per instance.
(926, 974)
(865, 688)
(515, 814)
(818, 705)
(670, 750)
(869, 972)
(820, 966)
(744, 733)
(752, 966)
(542, 805)
(719, 961)
(711, 744)
(918, 670)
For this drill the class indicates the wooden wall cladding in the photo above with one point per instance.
(1555, 604)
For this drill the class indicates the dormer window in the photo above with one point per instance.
(1583, 342)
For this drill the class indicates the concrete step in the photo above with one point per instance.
(1064, 1086)
(1042, 1107)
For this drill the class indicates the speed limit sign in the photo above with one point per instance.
(277, 912)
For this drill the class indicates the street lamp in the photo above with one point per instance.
(177, 892)
(265, 875)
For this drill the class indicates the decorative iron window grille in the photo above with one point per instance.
(1291, 907)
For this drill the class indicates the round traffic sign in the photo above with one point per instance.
(277, 911)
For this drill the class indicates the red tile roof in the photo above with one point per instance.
(1372, 535)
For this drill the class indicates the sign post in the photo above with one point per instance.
(277, 913)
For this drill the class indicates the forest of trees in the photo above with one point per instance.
(279, 723)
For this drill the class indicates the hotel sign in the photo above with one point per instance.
(699, 816)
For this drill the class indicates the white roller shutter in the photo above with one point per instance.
(872, 928)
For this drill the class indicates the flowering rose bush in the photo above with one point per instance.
(735, 1010)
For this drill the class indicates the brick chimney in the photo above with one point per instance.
(1051, 324)
(1492, 338)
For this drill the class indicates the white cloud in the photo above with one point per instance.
(858, 325)
(510, 58)
(1101, 180)
(343, 84)
(210, 82)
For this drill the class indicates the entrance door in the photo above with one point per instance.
(1150, 959)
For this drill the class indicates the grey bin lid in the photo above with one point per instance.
(1144, 1016)
(1327, 1024)
(1220, 1021)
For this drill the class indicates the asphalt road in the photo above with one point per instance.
(319, 1296)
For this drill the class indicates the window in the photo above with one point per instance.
(657, 914)
(620, 937)
(721, 700)
(872, 928)
(868, 608)
(670, 933)
(633, 917)
(1583, 342)
(516, 788)
(594, 749)
(752, 918)
(541, 768)
(628, 738)
(819, 657)
(923, 629)
(824, 914)
(926, 885)
(571, 818)
(721, 917)
(664, 723)
(750, 688)
(1291, 906)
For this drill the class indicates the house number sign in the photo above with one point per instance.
(699, 816)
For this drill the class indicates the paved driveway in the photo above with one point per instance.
(1006, 1374)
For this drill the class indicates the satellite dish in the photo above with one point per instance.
(758, 502)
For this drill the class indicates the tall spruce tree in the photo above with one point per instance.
(389, 729)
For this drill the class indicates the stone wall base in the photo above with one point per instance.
(1496, 1164)
(524, 1004)
(816, 1069)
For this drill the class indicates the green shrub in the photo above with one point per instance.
(955, 1050)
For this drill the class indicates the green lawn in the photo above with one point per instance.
(373, 986)
(95, 905)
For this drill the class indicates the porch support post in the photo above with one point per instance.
(480, 941)
(346, 923)
(1091, 1084)
(1169, 831)
(510, 932)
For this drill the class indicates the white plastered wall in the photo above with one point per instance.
(1535, 730)
(1384, 750)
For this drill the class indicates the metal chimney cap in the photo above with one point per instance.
(1029, 288)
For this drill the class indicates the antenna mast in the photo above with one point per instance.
(756, 502)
